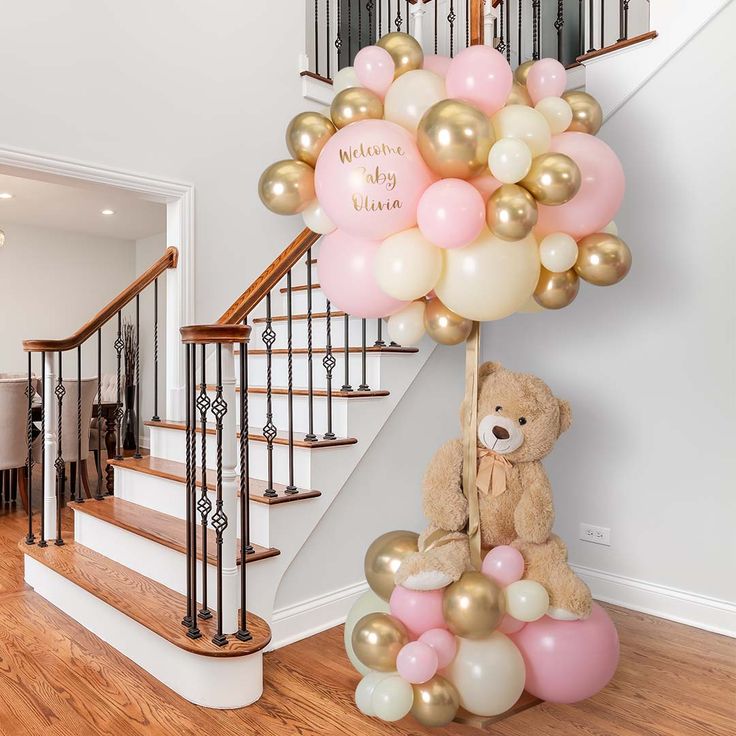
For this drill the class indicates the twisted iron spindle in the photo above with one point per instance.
(329, 364)
(380, 18)
(369, 8)
(360, 26)
(244, 449)
(518, 33)
(623, 19)
(79, 494)
(535, 30)
(581, 29)
(363, 358)
(30, 393)
(501, 48)
(269, 430)
(350, 35)
(98, 495)
(346, 353)
(398, 21)
(59, 464)
(327, 38)
(436, 25)
(338, 36)
(451, 18)
(193, 630)
(467, 23)
(155, 417)
(290, 487)
(559, 25)
(42, 542)
(204, 505)
(508, 31)
(591, 25)
(310, 436)
(379, 343)
(316, 36)
(189, 617)
(119, 345)
(138, 455)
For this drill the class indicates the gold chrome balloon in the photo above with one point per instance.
(587, 115)
(519, 96)
(384, 557)
(454, 139)
(603, 259)
(556, 290)
(473, 606)
(443, 325)
(377, 640)
(522, 72)
(511, 212)
(287, 187)
(354, 104)
(553, 179)
(405, 51)
(307, 134)
(435, 702)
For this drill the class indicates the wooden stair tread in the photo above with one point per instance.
(318, 392)
(161, 528)
(284, 317)
(335, 351)
(147, 602)
(172, 470)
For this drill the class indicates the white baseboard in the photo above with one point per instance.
(693, 609)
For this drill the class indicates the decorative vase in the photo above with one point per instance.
(130, 424)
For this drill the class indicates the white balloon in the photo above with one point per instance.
(411, 95)
(488, 673)
(315, 218)
(611, 228)
(557, 113)
(369, 602)
(558, 252)
(526, 600)
(509, 160)
(364, 691)
(406, 327)
(524, 123)
(345, 78)
(392, 698)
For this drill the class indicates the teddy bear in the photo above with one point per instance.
(519, 421)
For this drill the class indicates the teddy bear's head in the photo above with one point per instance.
(518, 416)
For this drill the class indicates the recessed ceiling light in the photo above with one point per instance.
(108, 212)
(6, 195)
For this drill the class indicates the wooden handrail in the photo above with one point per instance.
(168, 260)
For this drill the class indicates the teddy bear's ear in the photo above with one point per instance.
(565, 415)
(486, 369)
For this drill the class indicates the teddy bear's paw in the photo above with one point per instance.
(562, 614)
(428, 580)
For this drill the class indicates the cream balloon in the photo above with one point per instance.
(407, 265)
(611, 228)
(411, 95)
(344, 79)
(365, 689)
(524, 123)
(526, 600)
(531, 307)
(490, 278)
(558, 252)
(392, 698)
(369, 602)
(509, 160)
(557, 112)
(488, 673)
(406, 327)
(315, 218)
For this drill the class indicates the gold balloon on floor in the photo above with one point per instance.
(556, 290)
(378, 639)
(354, 104)
(553, 179)
(435, 702)
(405, 51)
(519, 96)
(603, 259)
(587, 115)
(384, 557)
(454, 139)
(511, 212)
(443, 325)
(307, 134)
(473, 606)
(522, 72)
(287, 187)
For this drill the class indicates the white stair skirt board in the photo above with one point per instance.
(213, 682)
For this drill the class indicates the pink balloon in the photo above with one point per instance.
(510, 625)
(417, 662)
(601, 192)
(451, 213)
(345, 269)
(546, 78)
(569, 661)
(437, 64)
(418, 610)
(374, 68)
(504, 565)
(369, 178)
(482, 76)
(486, 184)
(444, 644)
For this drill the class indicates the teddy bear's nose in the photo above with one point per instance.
(500, 433)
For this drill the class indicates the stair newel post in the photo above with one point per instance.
(98, 495)
(204, 505)
(59, 464)
(137, 377)
(346, 353)
(290, 488)
(329, 363)
(310, 436)
(118, 345)
(42, 535)
(30, 393)
(269, 429)
(48, 446)
(155, 417)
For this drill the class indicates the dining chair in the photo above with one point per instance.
(108, 394)
(13, 435)
(70, 437)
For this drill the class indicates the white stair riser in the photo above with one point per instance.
(299, 335)
(299, 299)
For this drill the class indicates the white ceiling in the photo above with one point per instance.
(65, 204)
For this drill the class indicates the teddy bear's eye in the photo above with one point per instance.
(498, 408)
(522, 420)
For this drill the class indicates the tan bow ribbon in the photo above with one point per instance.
(492, 469)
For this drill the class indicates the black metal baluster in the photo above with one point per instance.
(467, 23)
(155, 417)
(329, 363)
(559, 25)
(581, 29)
(338, 36)
(363, 354)
(346, 353)
(269, 430)
(327, 39)
(310, 436)
(398, 21)
(59, 464)
(350, 32)
(119, 345)
(360, 26)
(379, 343)
(189, 617)
(535, 30)
(98, 495)
(290, 488)
(623, 19)
(138, 455)
(204, 505)
(79, 493)
(30, 393)
(436, 25)
(316, 36)
(603, 24)
(518, 33)
(408, 16)
(42, 542)
(380, 18)
(193, 632)
(508, 31)
(501, 48)
(369, 9)
(451, 18)
(591, 24)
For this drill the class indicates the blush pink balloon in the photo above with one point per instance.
(510, 625)
(443, 642)
(569, 661)
(437, 64)
(417, 662)
(482, 76)
(546, 78)
(451, 213)
(345, 269)
(504, 565)
(369, 178)
(374, 68)
(486, 184)
(418, 610)
(601, 191)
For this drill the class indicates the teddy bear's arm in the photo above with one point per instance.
(444, 503)
(534, 515)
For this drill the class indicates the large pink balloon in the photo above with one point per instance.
(418, 610)
(482, 76)
(437, 64)
(569, 661)
(601, 191)
(546, 78)
(345, 270)
(451, 213)
(374, 68)
(369, 178)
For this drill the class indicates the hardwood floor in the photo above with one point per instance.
(57, 678)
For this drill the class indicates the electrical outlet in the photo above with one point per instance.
(595, 534)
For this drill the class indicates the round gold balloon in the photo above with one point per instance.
(287, 187)
(553, 179)
(384, 557)
(443, 325)
(603, 259)
(556, 290)
(511, 212)
(473, 606)
(354, 104)
(405, 51)
(435, 702)
(519, 96)
(522, 72)
(587, 115)
(454, 139)
(377, 640)
(307, 134)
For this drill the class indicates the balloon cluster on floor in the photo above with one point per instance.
(452, 190)
(476, 644)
